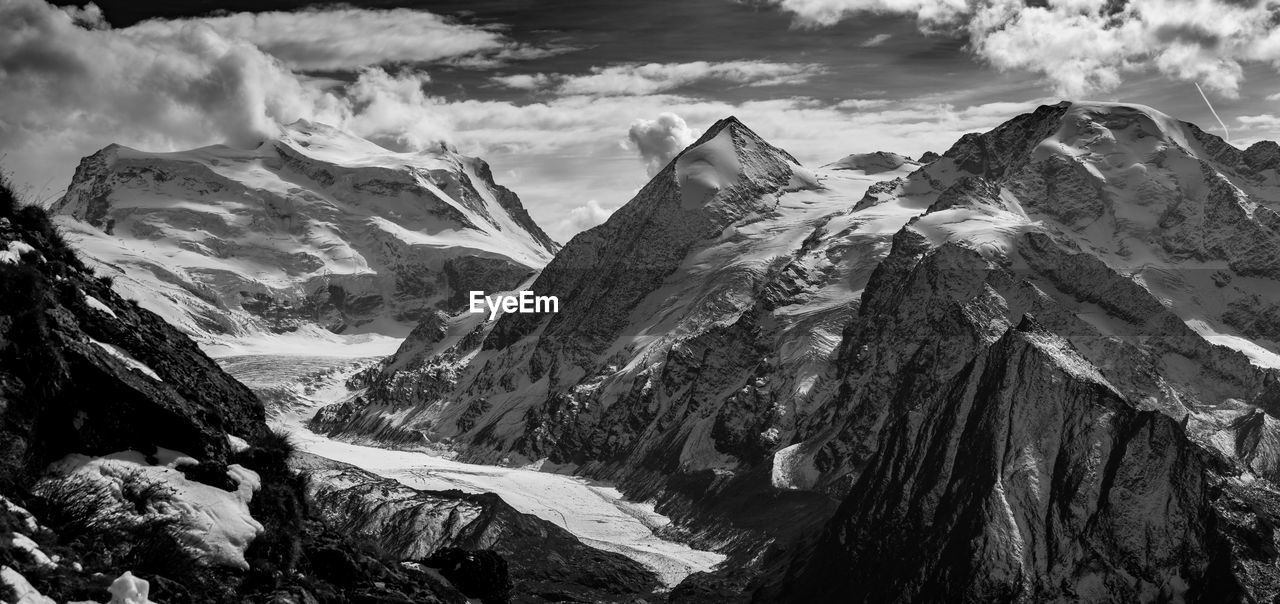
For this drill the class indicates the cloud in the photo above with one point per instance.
(345, 38)
(660, 140)
(654, 78)
(864, 104)
(1264, 123)
(67, 90)
(1085, 46)
(526, 81)
(584, 217)
(89, 17)
(394, 111)
(876, 40)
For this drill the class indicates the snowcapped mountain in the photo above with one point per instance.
(315, 230)
(732, 228)
(133, 466)
(1050, 355)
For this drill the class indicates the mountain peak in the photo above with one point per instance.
(734, 126)
(726, 153)
(320, 210)
(873, 163)
(731, 122)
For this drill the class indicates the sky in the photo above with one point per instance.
(575, 103)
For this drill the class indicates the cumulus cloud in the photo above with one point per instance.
(660, 140)
(1084, 46)
(88, 17)
(653, 78)
(68, 88)
(1265, 122)
(584, 217)
(393, 110)
(351, 38)
(64, 88)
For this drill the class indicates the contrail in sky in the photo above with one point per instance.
(1226, 134)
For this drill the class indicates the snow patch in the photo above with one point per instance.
(1258, 355)
(99, 306)
(703, 170)
(13, 253)
(128, 589)
(28, 521)
(792, 469)
(237, 444)
(23, 592)
(219, 521)
(124, 356)
(32, 548)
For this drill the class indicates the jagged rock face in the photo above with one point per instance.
(315, 228)
(1017, 467)
(1032, 480)
(546, 563)
(84, 371)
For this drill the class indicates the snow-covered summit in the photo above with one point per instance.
(873, 163)
(732, 231)
(317, 227)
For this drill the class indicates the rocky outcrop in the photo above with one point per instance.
(83, 370)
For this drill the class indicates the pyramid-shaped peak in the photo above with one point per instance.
(743, 139)
(732, 124)
(728, 153)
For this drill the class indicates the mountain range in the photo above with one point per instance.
(1043, 365)
(1049, 354)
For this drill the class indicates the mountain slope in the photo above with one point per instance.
(801, 340)
(989, 468)
(317, 229)
(1033, 480)
(126, 452)
(662, 360)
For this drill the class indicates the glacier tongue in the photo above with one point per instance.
(594, 512)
